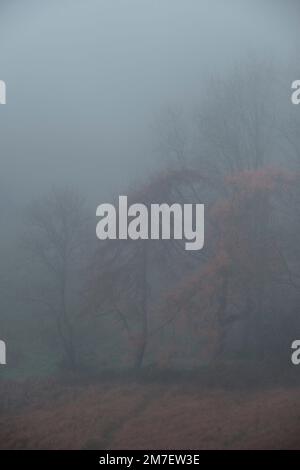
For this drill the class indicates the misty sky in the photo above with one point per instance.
(86, 78)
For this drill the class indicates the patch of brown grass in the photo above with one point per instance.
(151, 416)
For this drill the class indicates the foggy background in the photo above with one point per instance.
(86, 80)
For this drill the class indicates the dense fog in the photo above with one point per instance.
(164, 101)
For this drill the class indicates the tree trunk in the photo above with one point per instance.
(142, 344)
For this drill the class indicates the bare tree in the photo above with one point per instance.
(235, 121)
(172, 135)
(129, 277)
(54, 242)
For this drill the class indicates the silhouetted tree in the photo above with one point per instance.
(57, 253)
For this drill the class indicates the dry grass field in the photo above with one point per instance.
(132, 415)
